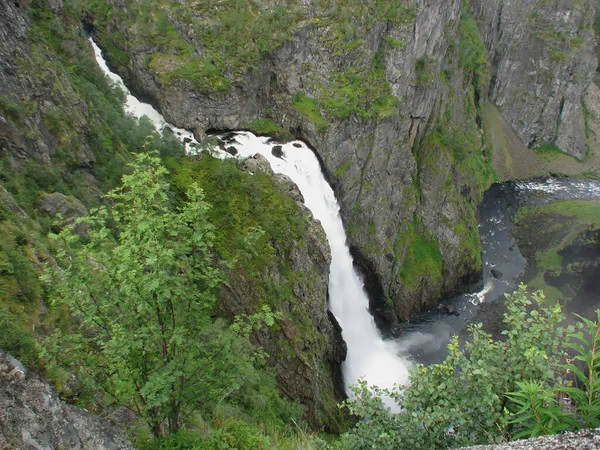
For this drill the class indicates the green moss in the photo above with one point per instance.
(309, 109)
(422, 260)
(587, 212)
(424, 69)
(364, 92)
(268, 127)
(550, 150)
(472, 53)
(201, 72)
(340, 172)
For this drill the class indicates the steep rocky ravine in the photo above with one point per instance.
(390, 97)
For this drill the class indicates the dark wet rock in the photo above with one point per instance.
(297, 145)
(168, 129)
(277, 151)
(448, 308)
(496, 274)
(231, 150)
(186, 140)
(229, 136)
(34, 417)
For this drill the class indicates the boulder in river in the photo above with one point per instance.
(449, 309)
(277, 151)
(496, 274)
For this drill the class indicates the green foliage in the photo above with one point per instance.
(471, 52)
(422, 257)
(551, 150)
(545, 409)
(364, 92)
(142, 295)
(202, 73)
(16, 339)
(423, 69)
(464, 400)
(309, 109)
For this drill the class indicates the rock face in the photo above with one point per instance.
(407, 156)
(306, 346)
(542, 62)
(33, 417)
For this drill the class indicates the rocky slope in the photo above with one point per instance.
(33, 416)
(388, 96)
(64, 140)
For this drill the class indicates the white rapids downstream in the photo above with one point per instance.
(369, 356)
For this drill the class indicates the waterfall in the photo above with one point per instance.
(138, 109)
(369, 355)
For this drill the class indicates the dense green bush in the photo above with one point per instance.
(489, 390)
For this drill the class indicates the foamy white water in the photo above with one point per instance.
(138, 109)
(369, 356)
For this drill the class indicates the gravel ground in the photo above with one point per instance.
(581, 440)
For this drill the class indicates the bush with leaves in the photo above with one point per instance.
(463, 401)
(571, 405)
(141, 292)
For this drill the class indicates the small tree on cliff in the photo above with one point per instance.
(141, 292)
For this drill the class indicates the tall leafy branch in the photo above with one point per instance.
(141, 289)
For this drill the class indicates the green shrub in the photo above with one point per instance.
(16, 339)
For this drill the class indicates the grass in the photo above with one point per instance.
(309, 109)
(566, 223)
(422, 259)
(268, 127)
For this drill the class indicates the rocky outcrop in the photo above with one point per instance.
(36, 94)
(55, 108)
(306, 345)
(542, 63)
(34, 417)
(408, 174)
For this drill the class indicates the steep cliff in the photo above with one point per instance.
(280, 257)
(389, 95)
(542, 62)
(378, 92)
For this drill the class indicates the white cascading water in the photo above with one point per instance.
(369, 355)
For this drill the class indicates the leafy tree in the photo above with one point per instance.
(141, 291)
(463, 401)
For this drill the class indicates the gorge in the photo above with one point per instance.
(433, 123)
